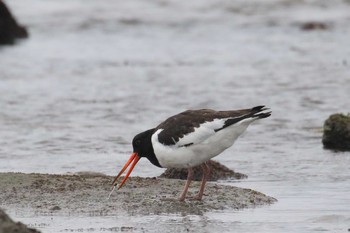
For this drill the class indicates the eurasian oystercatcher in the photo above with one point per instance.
(189, 139)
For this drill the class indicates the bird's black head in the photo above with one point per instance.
(142, 143)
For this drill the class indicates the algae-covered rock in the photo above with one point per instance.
(218, 171)
(336, 132)
(7, 225)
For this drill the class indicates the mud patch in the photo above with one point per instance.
(87, 194)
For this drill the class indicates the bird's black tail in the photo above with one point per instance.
(253, 113)
(258, 112)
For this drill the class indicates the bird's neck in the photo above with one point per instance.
(149, 152)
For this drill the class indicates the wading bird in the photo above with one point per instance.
(189, 139)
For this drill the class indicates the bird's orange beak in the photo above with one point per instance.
(134, 158)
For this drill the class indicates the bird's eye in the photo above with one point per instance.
(137, 142)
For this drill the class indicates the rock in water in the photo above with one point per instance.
(7, 225)
(218, 172)
(336, 132)
(314, 25)
(9, 28)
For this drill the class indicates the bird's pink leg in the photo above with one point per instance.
(206, 173)
(188, 182)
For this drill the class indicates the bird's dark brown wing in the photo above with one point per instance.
(177, 126)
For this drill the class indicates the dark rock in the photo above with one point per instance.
(314, 26)
(336, 132)
(9, 28)
(7, 225)
(219, 171)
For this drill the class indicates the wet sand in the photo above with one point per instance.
(86, 193)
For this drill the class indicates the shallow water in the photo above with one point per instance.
(95, 73)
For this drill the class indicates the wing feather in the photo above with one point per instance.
(195, 126)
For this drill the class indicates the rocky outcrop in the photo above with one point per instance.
(10, 30)
(336, 132)
(218, 172)
(7, 225)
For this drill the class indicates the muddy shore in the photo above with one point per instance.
(86, 193)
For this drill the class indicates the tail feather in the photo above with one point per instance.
(257, 112)
(254, 114)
